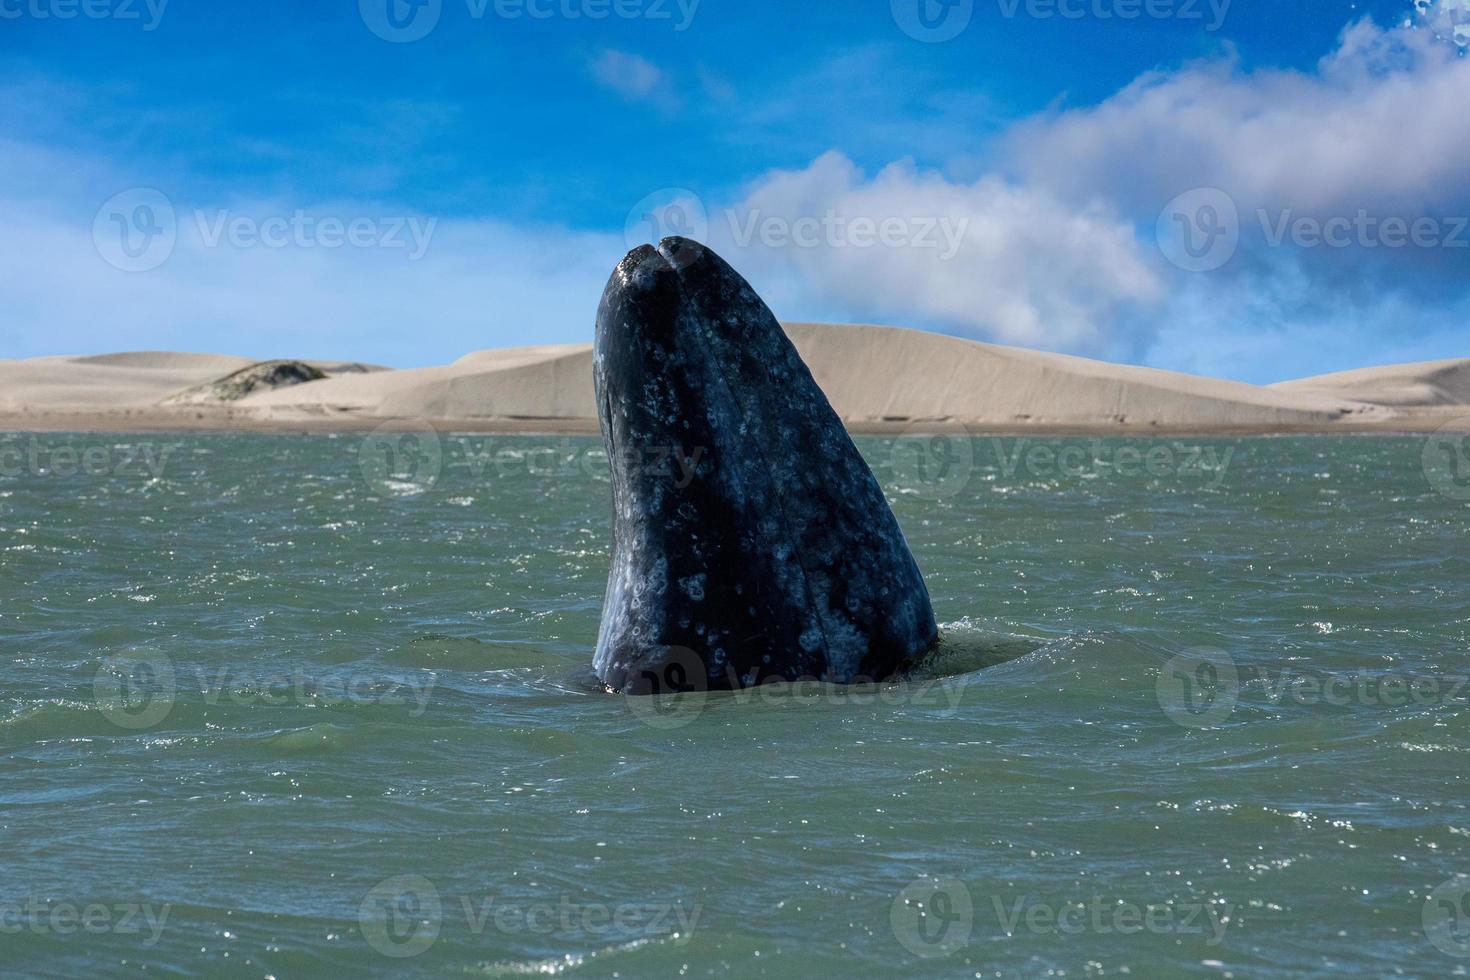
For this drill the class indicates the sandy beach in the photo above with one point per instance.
(879, 379)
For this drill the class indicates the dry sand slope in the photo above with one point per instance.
(1432, 383)
(878, 378)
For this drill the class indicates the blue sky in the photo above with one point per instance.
(493, 167)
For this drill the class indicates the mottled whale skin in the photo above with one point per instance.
(751, 542)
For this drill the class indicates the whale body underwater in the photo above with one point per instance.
(768, 552)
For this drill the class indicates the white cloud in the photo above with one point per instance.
(1377, 132)
(633, 77)
(988, 259)
(1380, 124)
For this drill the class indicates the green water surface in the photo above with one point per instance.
(321, 706)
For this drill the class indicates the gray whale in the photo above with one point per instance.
(751, 542)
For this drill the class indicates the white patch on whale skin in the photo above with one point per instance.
(846, 647)
(693, 586)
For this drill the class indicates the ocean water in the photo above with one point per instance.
(321, 706)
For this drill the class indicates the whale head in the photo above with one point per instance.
(751, 541)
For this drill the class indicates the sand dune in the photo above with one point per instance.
(878, 378)
(1426, 384)
(872, 375)
(925, 376)
(107, 381)
(549, 382)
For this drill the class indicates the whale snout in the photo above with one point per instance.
(641, 270)
(681, 253)
(644, 267)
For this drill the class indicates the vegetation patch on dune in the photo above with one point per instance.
(265, 376)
